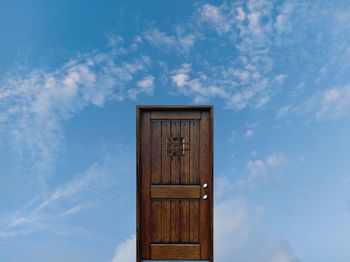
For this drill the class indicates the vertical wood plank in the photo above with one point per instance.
(205, 171)
(194, 152)
(166, 132)
(185, 222)
(156, 221)
(185, 160)
(176, 161)
(145, 174)
(156, 144)
(166, 215)
(175, 221)
(194, 221)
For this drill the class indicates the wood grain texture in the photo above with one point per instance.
(166, 216)
(156, 218)
(173, 191)
(194, 222)
(166, 132)
(175, 217)
(185, 160)
(175, 251)
(205, 177)
(175, 161)
(156, 152)
(185, 222)
(145, 184)
(194, 152)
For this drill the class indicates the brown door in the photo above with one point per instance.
(174, 183)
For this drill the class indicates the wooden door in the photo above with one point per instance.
(174, 183)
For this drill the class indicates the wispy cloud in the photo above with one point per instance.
(181, 75)
(215, 17)
(35, 105)
(145, 85)
(126, 251)
(262, 170)
(330, 103)
(249, 133)
(281, 24)
(51, 212)
(257, 172)
(178, 42)
(237, 233)
(241, 75)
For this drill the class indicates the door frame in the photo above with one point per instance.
(139, 110)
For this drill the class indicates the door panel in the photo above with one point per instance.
(174, 162)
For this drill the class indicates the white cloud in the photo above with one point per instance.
(241, 78)
(256, 167)
(126, 251)
(50, 212)
(145, 85)
(284, 255)
(259, 166)
(213, 15)
(180, 79)
(196, 86)
(335, 102)
(36, 105)
(240, 14)
(180, 76)
(254, 23)
(330, 103)
(178, 42)
(286, 11)
(237, 233)
(260, 171)
(249, 133)
(275, 160)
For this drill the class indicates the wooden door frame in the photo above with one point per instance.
(139, 110)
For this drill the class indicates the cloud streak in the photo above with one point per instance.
(237, 233)
(51, 212)
(331, 103)
(35, 106)
(126, 251)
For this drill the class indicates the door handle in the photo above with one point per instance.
(205, 185)
(205, 197)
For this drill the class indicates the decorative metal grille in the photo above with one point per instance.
(175, 146)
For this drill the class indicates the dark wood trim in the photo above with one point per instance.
(205, 177)
(174, 107)
(211, 143)
(157, 114)
(138, 185)
(139, 110)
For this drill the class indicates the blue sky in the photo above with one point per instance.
(277, 73)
